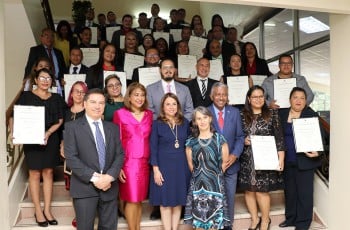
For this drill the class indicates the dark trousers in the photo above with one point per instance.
(299, 189)
(86, 209)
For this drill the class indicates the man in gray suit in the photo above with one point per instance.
(167, 84)
(94, 153)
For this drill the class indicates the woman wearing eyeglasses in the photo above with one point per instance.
(259, 120)
(42, 159)
(114, 97)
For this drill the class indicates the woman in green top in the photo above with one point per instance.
(114, 97)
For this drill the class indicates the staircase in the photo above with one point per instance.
(63, 211)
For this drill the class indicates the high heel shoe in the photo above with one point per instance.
(41, 223)
(51, 222)
(268, 224)
(256, 226)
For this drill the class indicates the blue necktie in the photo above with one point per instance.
(100, 146)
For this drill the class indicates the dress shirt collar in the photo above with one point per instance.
(216, 111)
(200, 79)
(165, 86)
(71, 68)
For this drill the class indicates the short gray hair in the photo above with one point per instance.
(217, 85)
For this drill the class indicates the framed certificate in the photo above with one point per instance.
(307, 134)
(264, 152)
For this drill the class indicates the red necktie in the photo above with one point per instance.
(221, 120)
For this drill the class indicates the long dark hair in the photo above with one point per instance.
(247, 110)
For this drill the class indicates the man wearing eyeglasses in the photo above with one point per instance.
(285, 64)
(151, 60)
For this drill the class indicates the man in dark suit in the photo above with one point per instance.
(75, 58)
(200, 86)
(154, 11)
(94, 153)
(227, 121)
(46, 49)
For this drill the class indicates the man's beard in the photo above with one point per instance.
(167, 78)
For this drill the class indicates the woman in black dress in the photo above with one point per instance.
(259, 120)
(42, 159)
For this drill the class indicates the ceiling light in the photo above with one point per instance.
(310, 25)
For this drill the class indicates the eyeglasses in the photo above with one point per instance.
(116, 85)
(78, 92)
(44, 79)
(286, 63)
(257, 97)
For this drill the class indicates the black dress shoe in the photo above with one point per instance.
(155, 215)
(41, 223)
(299, 228)
(51, 222)
(285, 224)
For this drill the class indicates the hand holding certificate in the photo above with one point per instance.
(29, 125)
(307, 134)
(264, 152)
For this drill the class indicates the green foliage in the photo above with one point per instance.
(78, 10)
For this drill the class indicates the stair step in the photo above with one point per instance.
(63, 211)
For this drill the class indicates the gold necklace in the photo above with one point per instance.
(176, 145)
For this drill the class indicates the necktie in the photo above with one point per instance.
(75, 70)
(204, 89)
(100, 146)
(221, 120)
(168, 88)
(49, 51)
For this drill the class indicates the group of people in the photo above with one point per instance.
(178, 142)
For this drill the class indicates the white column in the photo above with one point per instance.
(339, 147)
(4, 201)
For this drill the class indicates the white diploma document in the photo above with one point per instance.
(307, 134)
(122, 42)
(144, 31)
(121, 75)
(216, 70)
(282, 88)
(258, 79)
(70, 79)
(90, 56)
(238, 87)
(131, 62)
(109, 32)
(187, 66)
(164, 35)
(196, 46)
(264, 152)
(176, 34)
(28, 124)
(149, 75)
(93, 35)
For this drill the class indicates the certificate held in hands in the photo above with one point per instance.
(282, 89)
(264, 152)
(307, 134)
(28, 124)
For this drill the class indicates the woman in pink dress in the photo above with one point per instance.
(135, 122)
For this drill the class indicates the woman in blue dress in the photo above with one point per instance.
(206, 151)
(170, 175)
